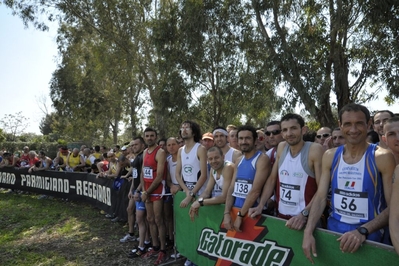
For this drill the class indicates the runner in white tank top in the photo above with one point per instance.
(221, 175)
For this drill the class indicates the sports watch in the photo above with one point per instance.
(201, 201)
(363, 230)
(305, 213)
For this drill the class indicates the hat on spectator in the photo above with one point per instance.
(207, 135)
(124, 148)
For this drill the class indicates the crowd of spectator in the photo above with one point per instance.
(226, 154)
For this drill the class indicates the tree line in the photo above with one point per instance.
(124, 63)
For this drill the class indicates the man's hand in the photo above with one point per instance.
(174, 189)
(296, 222)
(130, 195)
(194, 210)
(328, 143)
(351, 241)
(237, 224)
(228, 223)
(309, 246)
(255, 211)
(144, 197)
(184, 203)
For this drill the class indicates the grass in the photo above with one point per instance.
(55, 232)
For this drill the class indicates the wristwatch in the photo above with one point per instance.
(239, 214)
(363, 230)
(201, 201)
(192, 194)
(305, 213)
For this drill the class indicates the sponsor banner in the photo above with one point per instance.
(264, 241)
(73, 186)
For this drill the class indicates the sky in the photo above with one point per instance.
(27, 61)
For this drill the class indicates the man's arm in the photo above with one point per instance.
(320, 201)
(261, 175)
(269, 186)
(229, 203)
(394, 211)
(236, 154)
(178, 174)
(201, 153)
(207, 193)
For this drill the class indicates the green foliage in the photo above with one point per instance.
(126, 61)
(2, 135)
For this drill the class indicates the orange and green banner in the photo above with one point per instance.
(265, 241)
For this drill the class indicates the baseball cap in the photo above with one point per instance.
(207, 135)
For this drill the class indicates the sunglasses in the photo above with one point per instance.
(325, 135)
(274, 132)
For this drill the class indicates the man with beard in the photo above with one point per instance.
(191, 169)
(295, 174)
(220, 136)
(253, 168)
(153, 183)
(273, 133)
(380, 118)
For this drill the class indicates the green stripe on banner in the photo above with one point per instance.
(265, 241)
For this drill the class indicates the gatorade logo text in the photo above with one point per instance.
(242, 252)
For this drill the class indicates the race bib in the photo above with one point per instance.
(289, 194)
(148, 173)
(135, 174)
(351, 204)
(242, 188)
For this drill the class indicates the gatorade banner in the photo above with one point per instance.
(72, 186)
(264, 241)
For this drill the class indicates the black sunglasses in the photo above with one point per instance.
(274, 132)
(325, 135)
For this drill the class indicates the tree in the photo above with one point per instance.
(209, 42)
(319, 47)
(14, 124)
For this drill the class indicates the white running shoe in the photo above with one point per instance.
(127, 238)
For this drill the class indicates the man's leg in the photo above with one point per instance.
(151, 223)
(158, 215)
(130, 214)
(158, 212)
